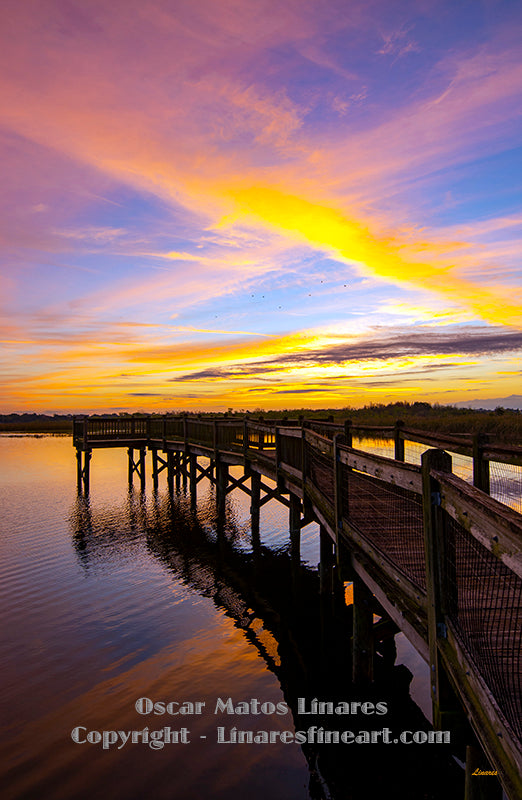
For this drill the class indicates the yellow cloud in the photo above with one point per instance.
(331, 230)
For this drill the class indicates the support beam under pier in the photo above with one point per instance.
(137, 466)
(83, 469)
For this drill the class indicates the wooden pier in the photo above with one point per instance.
(434, 555)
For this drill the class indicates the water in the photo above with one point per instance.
(121, 596)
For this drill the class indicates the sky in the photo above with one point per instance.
(250, 204)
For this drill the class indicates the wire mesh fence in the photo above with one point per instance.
(200, 431)
(485, 606)
(462, 465)
(381, 446)
(389, 517)
(320, 469)
(506, 484)
(229, 435)
(291, 451)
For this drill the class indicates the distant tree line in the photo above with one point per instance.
(505, 424)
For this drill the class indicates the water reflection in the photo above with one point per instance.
(123, 596)
(273, 601)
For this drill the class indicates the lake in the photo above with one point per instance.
(122, 597)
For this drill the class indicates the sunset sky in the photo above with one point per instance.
(247, 203)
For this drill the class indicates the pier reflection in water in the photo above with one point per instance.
(174, 603)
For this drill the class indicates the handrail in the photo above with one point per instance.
(389, 470)
(480, 447)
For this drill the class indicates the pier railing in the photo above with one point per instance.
(440, 555)
(457, 554)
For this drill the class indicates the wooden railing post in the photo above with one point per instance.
(245, 436)
(338, 490)
(480, 464)
(277, 456)
(399, 441)
(215, 438)
(442, 697)
(303, 455)
(348, 432)
(185, 431)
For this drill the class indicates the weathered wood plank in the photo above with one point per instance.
(462, 444)
(292, 433)
(506, 454)
(295, 473)
(398, 473)
(320, 442)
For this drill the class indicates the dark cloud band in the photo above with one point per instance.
(421, 341)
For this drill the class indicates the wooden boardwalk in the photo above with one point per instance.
(435, 555)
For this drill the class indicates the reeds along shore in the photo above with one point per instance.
(504, 424)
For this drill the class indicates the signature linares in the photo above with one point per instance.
(485, 772)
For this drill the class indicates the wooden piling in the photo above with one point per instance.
(155, 469)
(83, 472)
(142, 473)
(79, 469)
(221, 484)
(171, 469)
(295, 527)
(326, 564)
(87, 471)
(193, 466)
(185, 469)
(255, 500)
(130, 455)
(177, 470)
(362, 643)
